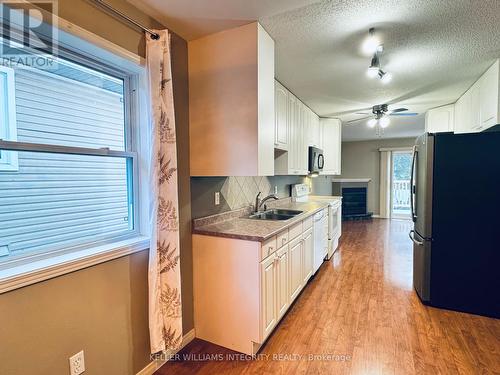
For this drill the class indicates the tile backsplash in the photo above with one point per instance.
(236, 192)
(241, 191)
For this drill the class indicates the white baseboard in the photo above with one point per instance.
(376, 216)
(155, 365)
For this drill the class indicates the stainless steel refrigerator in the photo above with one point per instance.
(456, 214)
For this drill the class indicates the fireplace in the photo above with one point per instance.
(354, 203)
(354, 197)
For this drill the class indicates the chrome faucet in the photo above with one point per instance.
(259, 202)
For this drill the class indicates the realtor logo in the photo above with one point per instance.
(29, 33)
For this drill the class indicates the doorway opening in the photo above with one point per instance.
(400, 184)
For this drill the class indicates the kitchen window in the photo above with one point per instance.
(8, 130)
(69, 177)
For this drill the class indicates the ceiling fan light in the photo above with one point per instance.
(384, 122)
(371, 122)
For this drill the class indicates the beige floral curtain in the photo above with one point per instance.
(165, 319)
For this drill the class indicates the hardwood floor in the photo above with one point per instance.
(361, 310)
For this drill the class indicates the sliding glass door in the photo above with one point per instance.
(400, 184)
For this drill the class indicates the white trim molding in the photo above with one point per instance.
(155, 365)
(385, 184)
(33, 272)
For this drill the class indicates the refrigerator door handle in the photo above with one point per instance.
(413, 185)
(415, 241)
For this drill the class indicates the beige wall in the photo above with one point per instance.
(362, 160)
(101, 309)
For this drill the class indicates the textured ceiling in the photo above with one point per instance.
(192, 19)
(434, 49)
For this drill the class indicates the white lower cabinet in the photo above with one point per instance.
(269, 294)
(308, 253)
(282, 277)
(296, 273)
(239, 307)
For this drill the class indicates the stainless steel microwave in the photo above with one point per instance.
(316, 160)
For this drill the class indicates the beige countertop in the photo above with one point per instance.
(258, 230)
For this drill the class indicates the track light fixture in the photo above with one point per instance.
(373, 45)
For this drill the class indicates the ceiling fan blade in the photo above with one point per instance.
(354, 111)
(404, 114)
(362, 113)
(399, 110)
(358, 119)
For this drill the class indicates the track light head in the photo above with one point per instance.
(385, 77)
(371, 43)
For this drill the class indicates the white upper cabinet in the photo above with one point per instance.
(231, 103)
(488, 93)
(281, 135)
(294, 161)
(331, 139)
(296, 128)
(475, 108)
(463, 115)
(314, 130)
(440, 119)
(302, 147)
(478, 108)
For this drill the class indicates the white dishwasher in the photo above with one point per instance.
(320, 226)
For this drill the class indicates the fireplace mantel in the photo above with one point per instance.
(351, 179)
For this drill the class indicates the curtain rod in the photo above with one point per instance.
(127, 18)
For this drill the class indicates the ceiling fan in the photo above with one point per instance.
(380, 113)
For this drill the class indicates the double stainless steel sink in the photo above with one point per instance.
(275, 214)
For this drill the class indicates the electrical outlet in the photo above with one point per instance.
(77, 364)
(276, 189)
(217, 198)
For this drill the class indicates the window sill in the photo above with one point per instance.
(34, 272)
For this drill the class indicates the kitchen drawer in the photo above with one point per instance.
(295, 231)
(268, 247)
(308, 223)
(282, 238)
